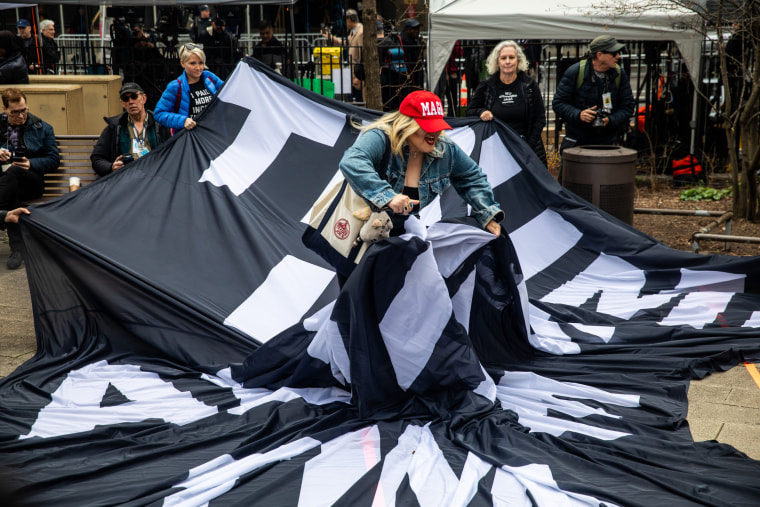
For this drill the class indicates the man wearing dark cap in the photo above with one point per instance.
(202, 23)
(594, 96)
(29, 50)
(128, 136)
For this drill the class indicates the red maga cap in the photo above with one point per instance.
(427, 109)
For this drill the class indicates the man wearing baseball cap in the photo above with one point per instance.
(127, 136)
(202, 23)
(422, 163)
(29, 49)
(594, 96)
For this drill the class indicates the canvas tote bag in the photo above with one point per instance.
(336, 219)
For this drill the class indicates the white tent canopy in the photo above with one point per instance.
(452, 20)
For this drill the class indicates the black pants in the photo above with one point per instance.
(18, 185)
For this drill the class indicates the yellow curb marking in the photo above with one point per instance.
(752, 369)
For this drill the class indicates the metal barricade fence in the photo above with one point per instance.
(655, 69)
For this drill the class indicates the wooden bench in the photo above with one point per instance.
(75, 161)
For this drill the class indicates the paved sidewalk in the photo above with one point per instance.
(17, 340)
(723, 406)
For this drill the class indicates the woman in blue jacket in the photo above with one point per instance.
(189, 94)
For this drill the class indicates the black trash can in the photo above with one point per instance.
(603, 175)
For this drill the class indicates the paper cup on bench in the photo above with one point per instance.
(74, 183)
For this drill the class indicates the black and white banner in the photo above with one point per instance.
(191, 350)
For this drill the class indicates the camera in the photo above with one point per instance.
(127, 158)
(601, 114)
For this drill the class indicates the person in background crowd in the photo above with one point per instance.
(13, 68)
(29, 47)
(202, 23)
(49, 47)
(448, 85)
(221, 48)
(28, 145)
(393, 70)
(414, 51)
(353, 43)
(269, 49)
(512, 96)
(189, 94)
(597, 105)
(127, 136)
(423, 164)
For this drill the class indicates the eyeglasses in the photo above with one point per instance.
(130, 96)
(611, 53)
(18, 112)
(191, 45)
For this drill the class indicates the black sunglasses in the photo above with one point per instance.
(611, 53)
(129, 96)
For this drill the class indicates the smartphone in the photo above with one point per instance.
(17, 159)
(127, 158)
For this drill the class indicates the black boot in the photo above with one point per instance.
(17, 246)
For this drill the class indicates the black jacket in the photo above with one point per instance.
(39, 139)
(570, 100)
(109, 145)
(484, 97)
(49, 55)
(13, 70)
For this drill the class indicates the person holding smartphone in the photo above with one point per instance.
(27, 152)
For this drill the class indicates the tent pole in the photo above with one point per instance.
(694, 105)
(294, 63)
(247, 18)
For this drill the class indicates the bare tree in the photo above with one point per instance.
(739, 76)
(739, 64)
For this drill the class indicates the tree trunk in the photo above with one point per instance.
(740, 118)
(370, 61)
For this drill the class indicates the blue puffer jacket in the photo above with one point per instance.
(569, 102)
(165, 113)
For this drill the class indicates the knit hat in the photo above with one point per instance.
(426, 108)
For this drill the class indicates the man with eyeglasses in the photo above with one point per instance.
(28, 152)
(127, 136)
(594, 97)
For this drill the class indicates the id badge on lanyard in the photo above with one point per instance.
(607, 101)
(138, 147)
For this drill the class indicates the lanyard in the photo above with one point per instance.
(140, 136)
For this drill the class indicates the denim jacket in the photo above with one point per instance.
(446, 165)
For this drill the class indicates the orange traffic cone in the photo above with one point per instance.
(463, 91)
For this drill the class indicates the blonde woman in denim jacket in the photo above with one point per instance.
(422, 164)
